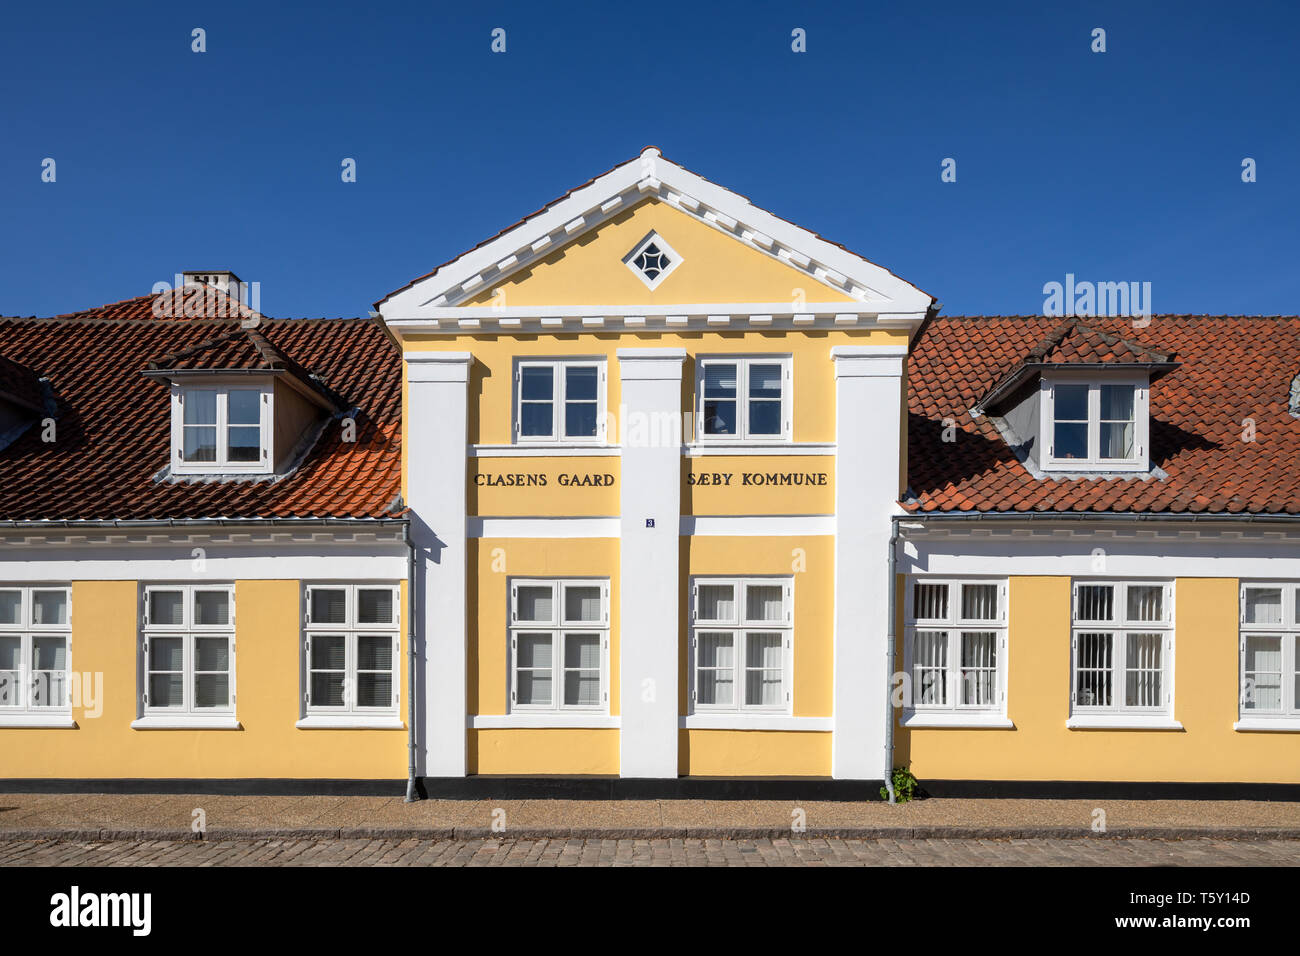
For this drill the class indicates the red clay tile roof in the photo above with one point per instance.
(20, 385)
(187, 302)
(114, 431)
(1232, 368)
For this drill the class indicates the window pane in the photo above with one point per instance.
(536, 419)
(326, 689)
(717, 602)
(580, 419)
(211, 654)
(375, 690)
(1096, 602)
(50, 689)
(1263, 606)
(11, 607)
(930, 602)
(1146, 602)
(1071, 403)
(1070, 441)
(1143, 670)
(244, 443)
(166, 690)
(49, 607)
(375, 606)
(10, 673)
(719, 417)
(199, 406)
(1263, 673)
(580, 383)
(537, 383)
(765, 381)
(764, 418)
(979, 668)
(582, 670)
(534, 650)
(1116, 440)
(11, 653)
(763, 670)
(715, 669)
(764, 602)
(535, 603)
(582, 650)
(1117, 403)
(930, 667)
(49, 653)
(374, 653)
(167, 607)
(328, 653)
(212, 608)
(719, 380)
(211, 690)
(200, 444)
(719, 398)
(582, 603)
(1093, 671)
(243, 407)
(979, 602)
(533, 663)
(166, 654)
(329, 606)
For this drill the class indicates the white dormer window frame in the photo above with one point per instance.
(226, 430)
(1093, 421)
(671, 260)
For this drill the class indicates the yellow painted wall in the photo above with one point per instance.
(714, 268)
(1038, 702)
(267, 639)
(753, 753)
(486, 497)
(491, 386)
(492, 562)
(760, 497)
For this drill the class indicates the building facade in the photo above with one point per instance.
(652, 486)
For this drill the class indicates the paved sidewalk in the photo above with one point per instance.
(668, 852)
(170, 817)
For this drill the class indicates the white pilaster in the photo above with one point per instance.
(649, 608)
(868, 415)
(436, 431)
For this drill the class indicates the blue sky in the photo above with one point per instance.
(1115, 166)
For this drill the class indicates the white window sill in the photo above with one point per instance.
(541, 721)
(733, 721)
(956, 720)
(350, 722)
(732, 446)
(1121, 722)
(168, 722)
(47, 721)
(1276, 724)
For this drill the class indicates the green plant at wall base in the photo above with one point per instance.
(904, 786)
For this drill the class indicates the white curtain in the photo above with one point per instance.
(1263, 605)
(717, 602)
(1263, 672)
(1093, 670)
(763, 602)
(930, 602)
(979, 668)
(582, 603)
(1146, 602)
(930, 667)
(535, 603)
(1096, 602)
(1143, 671)
(979, 602)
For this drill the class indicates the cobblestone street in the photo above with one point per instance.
(1104, 851)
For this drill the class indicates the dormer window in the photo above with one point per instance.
(221, 428)
(1094, 422)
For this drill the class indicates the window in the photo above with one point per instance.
(34, 636)
(742, 632)
(743, 399)
(652, 259)
(561, 401)
(221, 428)
(955, 644)
(352, 649)
(188, 650)
(1270, 652)
(559, 645)
(1094, 425)
(1122, 647)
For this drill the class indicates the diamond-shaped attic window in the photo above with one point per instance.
(652, 260)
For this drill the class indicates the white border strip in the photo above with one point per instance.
(541, 721)
(757, 525)
(577, 527)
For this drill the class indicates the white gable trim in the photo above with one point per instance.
(881, 292)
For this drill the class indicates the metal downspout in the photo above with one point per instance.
(412, 794)
(889, 659)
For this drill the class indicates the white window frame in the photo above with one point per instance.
(559, 397)
(350, 713)
(674, 260)
(27, 631)
(1118, 714)
(188, 631)
(222, 465)
(740, 627)
(743, 363)
(955, 713)
(1287, 716)
(1140, 461)
(557, 627)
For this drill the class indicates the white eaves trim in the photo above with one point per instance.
(651, 174)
